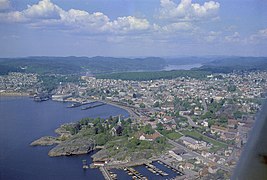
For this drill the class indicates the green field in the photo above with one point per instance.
(174, 135)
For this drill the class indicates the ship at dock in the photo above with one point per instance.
(78, 104)
(93, 105)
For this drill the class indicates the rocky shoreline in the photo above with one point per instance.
(66, 144)
(73, 147)
(45, 141)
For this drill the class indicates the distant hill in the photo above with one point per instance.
(188, 60)
(229, 64)
(77, 65)
(108, 65)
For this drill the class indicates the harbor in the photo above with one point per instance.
(155, 170)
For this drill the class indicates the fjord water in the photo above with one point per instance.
(22, 120)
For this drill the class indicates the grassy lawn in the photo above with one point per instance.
(216, 144)
(174, 135)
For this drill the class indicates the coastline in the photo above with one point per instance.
(128, 109)
(13, 94)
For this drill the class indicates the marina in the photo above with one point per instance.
(135, 174)
(155, 170)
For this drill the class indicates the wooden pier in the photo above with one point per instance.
(155, 170)
(135, 174)
(165, 163)
(106, 173)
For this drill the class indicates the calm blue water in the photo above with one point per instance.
(181, 67)
(22, 121)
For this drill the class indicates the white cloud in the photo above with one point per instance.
(212, 36)
(43, 10)
(128, 23)
(4, 4)
(46, 14)
(178, 27)
(188, 11)
(258, 37)
(263, 33)
(233, 38)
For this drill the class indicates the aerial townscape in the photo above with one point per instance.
(197, 125)
(133, 90)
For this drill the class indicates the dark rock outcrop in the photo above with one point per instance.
(45, 141)
(73, 146)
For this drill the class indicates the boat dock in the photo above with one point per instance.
(106, 173)
(93, 105)
(135, 174)
(78, 104)
(178, 171)
(155, 170)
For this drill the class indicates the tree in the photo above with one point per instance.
(101, 139)
(223, 120)
(161, 140)
(231, 88)
(156, 104)
(148, 129)
(160, 127)
(238, 114)
(142, 105)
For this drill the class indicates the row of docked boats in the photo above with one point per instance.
(155, 170)
(135, 174)
(173, 169)
(112, 175)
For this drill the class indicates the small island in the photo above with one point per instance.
(119, 141)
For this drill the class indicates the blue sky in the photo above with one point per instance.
(133, 28)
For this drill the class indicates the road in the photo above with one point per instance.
(204, 105)
(198, 155)
(130, 110)
(190, 121)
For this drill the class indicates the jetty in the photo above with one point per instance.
(155, 170)
(168, 165)
(106, 173)
(78, 104)
(135, 174)
(93, 105)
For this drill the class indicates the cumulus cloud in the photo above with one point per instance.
(4, 4)
(179, 26)
(43, 10)
(128, 24)
(261, 34)
(45, 13)
(233, 38)
(258, 37)
(188, 11)
(212, 36)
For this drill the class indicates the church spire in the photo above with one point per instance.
(119, 122)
